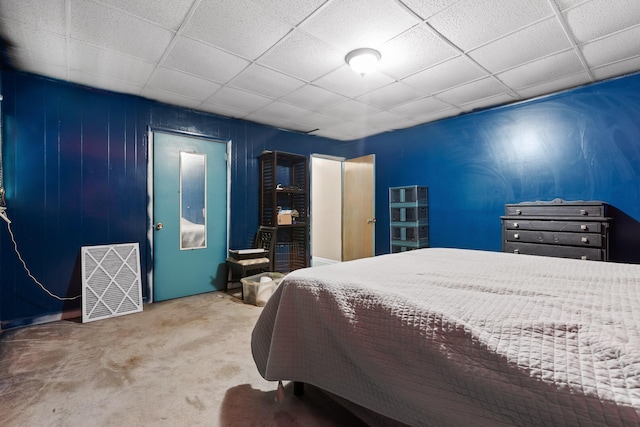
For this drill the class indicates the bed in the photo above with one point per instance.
(461, 337)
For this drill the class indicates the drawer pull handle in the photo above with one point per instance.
(516, 251)
(518, 212)
(585, 240)
(516, 225)
(583, 212)
(516, 236)
(584, 257)
(584, 227)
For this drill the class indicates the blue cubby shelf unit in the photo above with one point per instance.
(409, 218)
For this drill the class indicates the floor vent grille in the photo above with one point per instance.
(111, 283)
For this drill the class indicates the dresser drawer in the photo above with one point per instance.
(555, 210)
(594, 254)
(555, 238)
(551, 225)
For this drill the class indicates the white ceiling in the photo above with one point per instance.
(281, 62)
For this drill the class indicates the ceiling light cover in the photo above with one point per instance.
(363, 61)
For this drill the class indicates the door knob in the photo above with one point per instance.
(159, 226)
(371, 220)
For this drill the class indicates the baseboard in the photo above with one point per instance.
(38, 320)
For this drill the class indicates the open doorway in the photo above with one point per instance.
(342, 208)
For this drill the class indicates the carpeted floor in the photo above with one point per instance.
(183, 362)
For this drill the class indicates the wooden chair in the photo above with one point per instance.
(265, 239)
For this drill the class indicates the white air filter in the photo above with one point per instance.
(110, 281)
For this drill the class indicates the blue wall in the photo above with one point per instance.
(582, 144)
(76, 174)
(76, 162)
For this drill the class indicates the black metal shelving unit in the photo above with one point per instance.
(284, 186)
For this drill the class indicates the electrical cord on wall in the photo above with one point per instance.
(4, 216)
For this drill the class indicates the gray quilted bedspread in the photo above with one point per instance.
(459, 337)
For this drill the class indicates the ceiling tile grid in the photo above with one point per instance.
(533, 42)
(239, 26)
(95, 24)
(203, 60)
(48, 15)
(282, 63)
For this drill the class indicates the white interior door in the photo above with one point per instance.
(342, 208)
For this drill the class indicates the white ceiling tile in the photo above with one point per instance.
(548, 87)
(412, 51)
(302, 56)
(446, 75)
(239, 26)
(32, 65)
(278, 123)
(386, 120)
(363, 131)
(491, 101)
(426, 9)
(359, 23)
(443, 114)
(116, 44)
(102, 26)
(390, 96)
(471, 23)
(566, 4)
(222, 110)
(291, 11)
(166, 13)
(345, 81)
(203, 60)
(622, 45)
(48, 15)
(319, 120)
(617, 69)
(36, 43)
(106, 63)
(238, 99)
(103, 82)
(284, 111)
(336, 135)
(549, 38)
(170, 98)
(350, 110)
(265, 81)
(470, 92)
(550, 68)
(420, 107)
(182, 84)
(313, 97)
(600, 17)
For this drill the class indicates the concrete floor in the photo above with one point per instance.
(180, 362)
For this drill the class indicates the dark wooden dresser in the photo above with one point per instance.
(559, 228)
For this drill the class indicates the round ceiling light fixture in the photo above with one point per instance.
(363, 61)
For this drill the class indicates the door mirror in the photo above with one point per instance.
(193, 200)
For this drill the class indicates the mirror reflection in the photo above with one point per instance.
(193, 202)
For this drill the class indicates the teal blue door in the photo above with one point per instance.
(189, 215)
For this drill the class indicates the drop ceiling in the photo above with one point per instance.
(281, 62)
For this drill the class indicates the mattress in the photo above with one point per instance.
(460, 337)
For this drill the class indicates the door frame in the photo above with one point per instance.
(311, 201)
(342, 160)
(150, 226)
